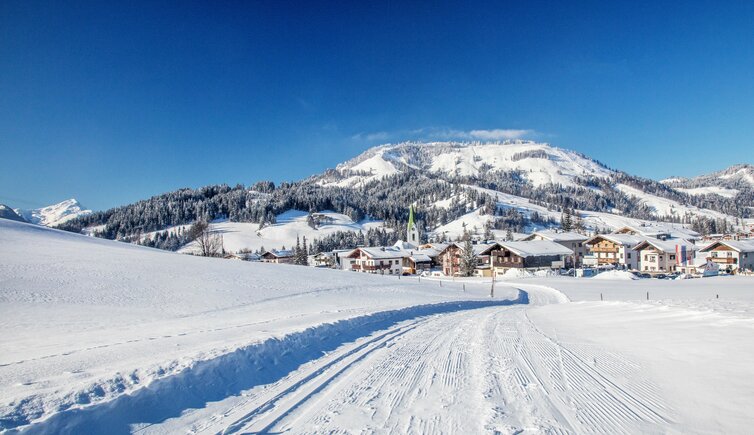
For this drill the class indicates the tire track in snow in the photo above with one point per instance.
(484, 370)
(547, 387)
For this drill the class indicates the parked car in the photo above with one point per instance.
(645, 275)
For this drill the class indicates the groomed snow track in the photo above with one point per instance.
(231, 374)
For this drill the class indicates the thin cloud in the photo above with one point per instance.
(445, 134)
(499, 134)
(371, 137)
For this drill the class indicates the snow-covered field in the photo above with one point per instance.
(104, 337)
(288, 226)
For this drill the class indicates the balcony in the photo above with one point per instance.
(601, 249)
(369, 267)
(507, 264)
(724, 260)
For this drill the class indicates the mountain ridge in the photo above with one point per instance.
(55, 214)
(518, 185)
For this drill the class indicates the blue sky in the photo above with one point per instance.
(111, 103)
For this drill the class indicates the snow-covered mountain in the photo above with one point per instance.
(455, 186)
(8, 213)
(55, 214)
(726, 183)
(539, 163)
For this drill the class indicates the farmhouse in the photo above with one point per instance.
(665, 255)
(416, 263)
(532, 254)
(284, 256)
(571, 240)
(384, 261)
(614, 249)
(731, 255)
(451, 258)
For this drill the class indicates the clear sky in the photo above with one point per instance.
(111, 103)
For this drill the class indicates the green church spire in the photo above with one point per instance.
(410, 216)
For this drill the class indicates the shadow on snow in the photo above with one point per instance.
(232, 373)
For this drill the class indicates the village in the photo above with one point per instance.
(654, 250)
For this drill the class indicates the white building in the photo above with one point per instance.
(384, 261)
(731, 255)
(613, 249)
(670, 255)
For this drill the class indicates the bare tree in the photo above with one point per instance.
(210, 244)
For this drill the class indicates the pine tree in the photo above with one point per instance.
(468, 259)
(304, 253)
(566, 222)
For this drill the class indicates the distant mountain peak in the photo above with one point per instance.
(55, 214)
(8, 213)
(540, 163)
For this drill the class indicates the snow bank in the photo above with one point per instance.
(545, 273)
(517, 273)
(617, 275)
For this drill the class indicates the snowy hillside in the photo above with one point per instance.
(726, 183)
(540, 163)
(288, 226)
(55, 214)
(669, 207)
(474, 222)
(86, 320)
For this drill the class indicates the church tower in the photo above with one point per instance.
(412, 233)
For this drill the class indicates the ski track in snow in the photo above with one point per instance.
(487, 370)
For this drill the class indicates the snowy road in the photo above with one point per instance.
(473, 371)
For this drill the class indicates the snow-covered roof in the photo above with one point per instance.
(535, 248)
(381, 252)
(558, 236)
(620, 239)
(281, 253)
(439, 247)
(478, 248)
(402, 244)
(667, 246)
(430, 252)
(420, 258)
(736, 245)
(654, 229)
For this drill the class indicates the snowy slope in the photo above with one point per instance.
(591, 219)
(289, 225)
(55, 214)
(710, 190)
(85, 320)
(540, 163)
(724, 183)
(669, 207)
